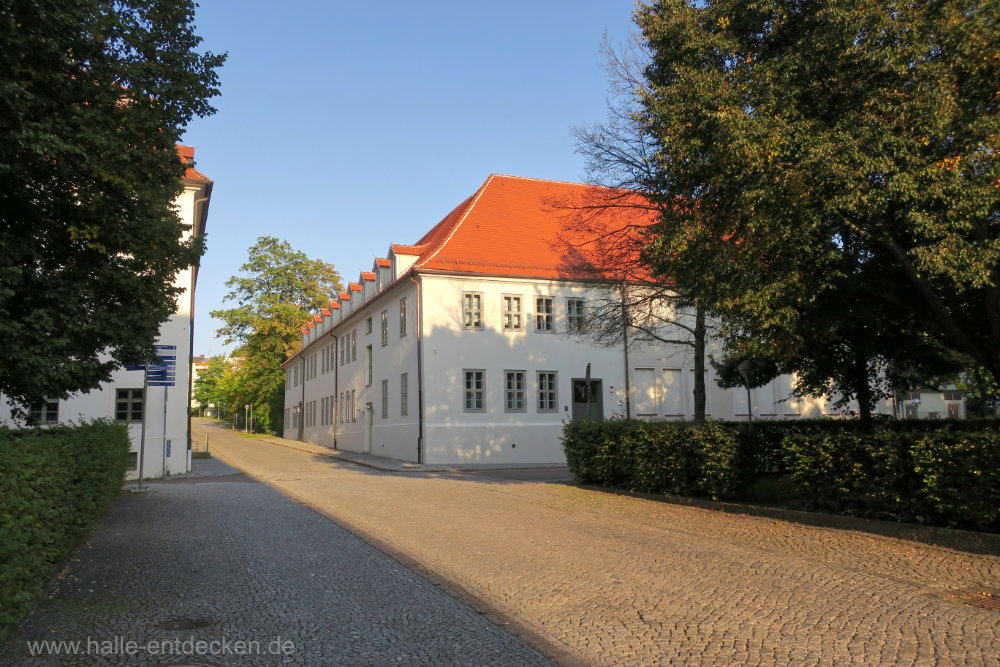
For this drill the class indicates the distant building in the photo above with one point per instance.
(166, 408)
(198, 365)
(932, 403)
(456, 349)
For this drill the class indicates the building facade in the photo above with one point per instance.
(164, 409)
(466, 346)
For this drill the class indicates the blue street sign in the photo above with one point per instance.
(167, 356)
(135, 367)
(161, 384)
(165, 347)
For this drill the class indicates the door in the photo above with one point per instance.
(588, 405)
(369, 423)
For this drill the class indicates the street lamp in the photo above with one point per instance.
(246, 423)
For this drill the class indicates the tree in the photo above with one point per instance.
(840, 163)
(609, 228)
(94, 96)
(211, 387)
(281, 292)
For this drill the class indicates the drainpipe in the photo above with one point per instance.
(420, 374)
(302, 403)
(625, 323)
(336, 389)
(194, 280)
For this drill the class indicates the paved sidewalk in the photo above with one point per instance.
(214, 568)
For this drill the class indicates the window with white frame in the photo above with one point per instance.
(343, 343)
(403, 397)
(547, 397)
(330, 408)
(402, 317)
(513, 319)
(368, 365)
(385, 327)
(47, 412)
(513, 391)
(295, 376)
(354, 345)
(475, 394)
(472, 310)
(575, 320)
(368, 326)
(354, 404)
(385, 399)
(128, 405)
(543, 313)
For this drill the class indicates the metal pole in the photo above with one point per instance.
(163, 468)
(142, 438)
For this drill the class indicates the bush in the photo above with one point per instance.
(712, 459)
(54, 483)
(944, 472)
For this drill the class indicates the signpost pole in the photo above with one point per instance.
(163, 468)
(142, 437)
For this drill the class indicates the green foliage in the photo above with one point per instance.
(938, 472)
(282, 290)
(828, 175)
(710, 459)
(94, 95)
(54, 483)
(211, 385)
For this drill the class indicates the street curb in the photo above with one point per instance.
(951, 538)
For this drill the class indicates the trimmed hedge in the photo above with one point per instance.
(711, 459)
(54, 483)
(935, 472)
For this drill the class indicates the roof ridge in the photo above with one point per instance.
(458, 224)
(547, 180)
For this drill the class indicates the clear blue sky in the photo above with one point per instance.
(344, 127)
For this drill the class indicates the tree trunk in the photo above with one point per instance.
(699, 363)
(862, 390)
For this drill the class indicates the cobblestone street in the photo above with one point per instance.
(614, 580)
(585, 577)
(220, 570)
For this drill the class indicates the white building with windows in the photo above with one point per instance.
(166, 448)
(459, 348)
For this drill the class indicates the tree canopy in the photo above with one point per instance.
(280, 291)
(837, 167)
(94, 96)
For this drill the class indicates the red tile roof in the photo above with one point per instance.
(401, 249)
(335, 304)
(533, 228)
(187, 155)
(384, 263)
(355, 287)
(367, 275)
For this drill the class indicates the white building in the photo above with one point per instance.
(456, 349)
(166, 408)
